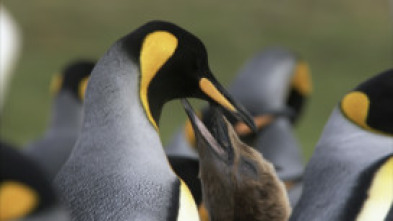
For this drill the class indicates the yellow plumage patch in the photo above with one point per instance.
(355, 106)
(301, 80)
(16, 200)
(189, 131)
(82, 88)
(157, 48)
(380, 194)
(55, 84)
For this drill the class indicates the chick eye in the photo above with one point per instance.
(248, 167)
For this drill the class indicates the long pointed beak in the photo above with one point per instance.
(217, 93)
(202, 134)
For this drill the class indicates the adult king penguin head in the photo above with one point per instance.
(118, 162)
(173, 64)
(237, 182)
(349, 176)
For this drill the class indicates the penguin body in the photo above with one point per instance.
(118, 169)
(349, 176)
(237, 182)
(25, 192)
(53, 149)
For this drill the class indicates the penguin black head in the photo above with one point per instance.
(238, 184)
(173, 63)
(73, 78)
(370, 105)
(24, 190)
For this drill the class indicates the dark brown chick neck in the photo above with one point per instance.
(244, 188)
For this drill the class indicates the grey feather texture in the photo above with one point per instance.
(118, 169)
(262, 84)
(342, 153)
(52, 150)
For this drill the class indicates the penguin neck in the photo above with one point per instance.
(67, 113)
(113, 106)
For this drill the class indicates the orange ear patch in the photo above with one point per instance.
(355, 106)
(82, 88)
(55, 84)
(157, 48)
(260, 121)
(16, 200)
(301, 80)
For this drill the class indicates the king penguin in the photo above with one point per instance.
(274, 86)
(350, 174)
(237, 182)
(25, 192)
(52, 150)
(118, 169)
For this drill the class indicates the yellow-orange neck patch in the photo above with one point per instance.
(82, 88)
(16, 200)
(55, 84)
(156, 49)
(355, 106)
(301, 80)
(189, 131)
(380, 194)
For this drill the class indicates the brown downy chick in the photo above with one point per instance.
(237, 182)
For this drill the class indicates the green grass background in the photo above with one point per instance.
(345, 42)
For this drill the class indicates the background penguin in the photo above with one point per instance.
(274, 86)
(51, 151)
(118, 169)
(25, 191)
(238, 183)
(350, 174)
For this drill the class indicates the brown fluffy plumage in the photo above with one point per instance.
(237, 182)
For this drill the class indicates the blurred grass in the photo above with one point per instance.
(345, 42)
